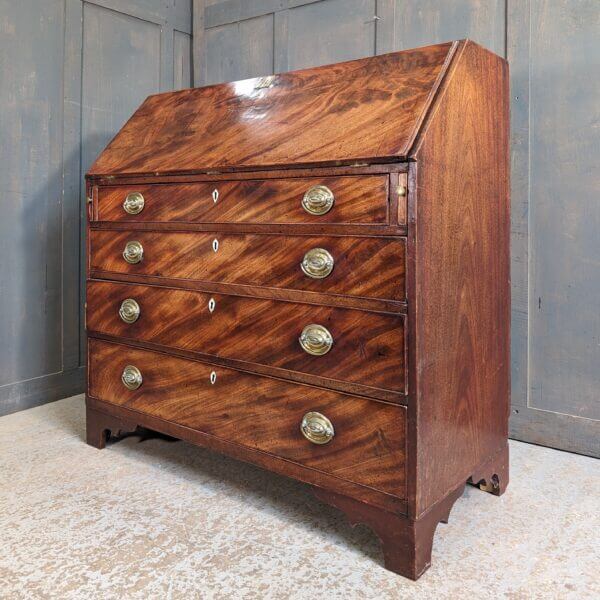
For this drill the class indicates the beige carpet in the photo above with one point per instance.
(162, 519)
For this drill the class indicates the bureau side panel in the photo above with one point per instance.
(461, 277)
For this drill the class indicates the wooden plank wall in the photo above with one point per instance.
(552, 48)
(71, 72)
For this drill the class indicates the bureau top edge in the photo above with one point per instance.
(242, 174)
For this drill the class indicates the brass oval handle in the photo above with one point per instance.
(316, 340)
(129, 311)
(317, 263)
(317, 428)
(133, 253)
(134, 203)
(318, 200)
(131, 377)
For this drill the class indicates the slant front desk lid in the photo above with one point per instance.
(364, 110)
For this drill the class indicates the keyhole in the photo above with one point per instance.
(215, 245)
(211, 304)
(215, 195)
(213, 378)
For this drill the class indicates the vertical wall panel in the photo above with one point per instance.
(182, 60)
(518, 29)
(565, 208)
(239, 50)
(330, 31)
(31, 49)
(423, 22)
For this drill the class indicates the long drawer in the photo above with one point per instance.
(357, 266)
(356, 346)
(266, 414)
(338, 200)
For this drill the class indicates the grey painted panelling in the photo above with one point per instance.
(565, 208)
(330, 31)
(552, 48)
(70, 73)
(518, 56)
(231, 11)
(424, 22)
(239, 50)
(182, 16)
(31, 46)
(182, 60)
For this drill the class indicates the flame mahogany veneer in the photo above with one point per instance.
(397, 167)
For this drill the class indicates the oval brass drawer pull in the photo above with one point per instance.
(317, 428)
(133, 253)
(129, 311)
(318, 200)
(316, 340)
(134, 203)
(317, 263)
(131, 377)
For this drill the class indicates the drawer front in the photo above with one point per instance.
(259, 412)
(367, 347)
(296, 200)
(362, 266)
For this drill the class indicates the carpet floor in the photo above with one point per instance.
(153, 518)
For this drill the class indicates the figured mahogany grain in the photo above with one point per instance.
(460, 298)
(368, 347)
(257, 201)
(367, 109)
(260, 413)
(368, 267)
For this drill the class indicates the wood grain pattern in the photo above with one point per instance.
(369, 109)
(260, 413)
(357, 200)
(282, 173)
(373, 304)
(371, 267)
(368, 347)
(461, 281)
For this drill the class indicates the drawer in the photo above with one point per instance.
(367, 348)
(339, 200)
(361, 266)
(261, 413)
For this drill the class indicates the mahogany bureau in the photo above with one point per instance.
(310, 272)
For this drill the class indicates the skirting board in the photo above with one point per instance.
(35, 392)
(555, 430)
